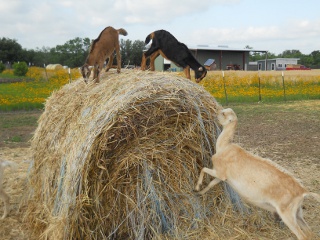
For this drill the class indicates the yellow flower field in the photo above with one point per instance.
(235, 86)
(243, 86)
(32, 94)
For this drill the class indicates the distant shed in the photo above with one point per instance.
(276, 63)
(210, 64)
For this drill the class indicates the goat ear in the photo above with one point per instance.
(200, 68)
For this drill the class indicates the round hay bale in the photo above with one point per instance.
(119, 159)
(54, 67)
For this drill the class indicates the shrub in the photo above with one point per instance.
(20, 69)
(2, 67)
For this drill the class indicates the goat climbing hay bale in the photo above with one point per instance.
(119, 159)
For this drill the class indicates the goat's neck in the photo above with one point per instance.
(226, 136)
(193, 63)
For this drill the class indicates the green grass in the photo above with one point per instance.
(17, 127)
(15, 120)
(15, 139)
(10, 76)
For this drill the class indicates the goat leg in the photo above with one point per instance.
(211, 172)
(110, 62)
(6, 199)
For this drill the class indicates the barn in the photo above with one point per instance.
(226, 58)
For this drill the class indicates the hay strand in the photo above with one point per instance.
(119, 159)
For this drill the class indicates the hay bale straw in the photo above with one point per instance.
(54, 67)
(119, 159)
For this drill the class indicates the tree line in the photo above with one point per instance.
(74, 52)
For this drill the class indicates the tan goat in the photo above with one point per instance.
(259, 181)
(3, 194)
(102, 48)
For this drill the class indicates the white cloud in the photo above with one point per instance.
(293, 35)
(52, 22)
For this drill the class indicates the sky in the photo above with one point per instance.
(271, 25)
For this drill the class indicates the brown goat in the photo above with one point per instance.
(102, 48)
(259, 181)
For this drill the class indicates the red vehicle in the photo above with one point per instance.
(297, 67)
(233, 67)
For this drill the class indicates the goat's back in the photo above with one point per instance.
(170, 46)
(104, 45)
(252, 175)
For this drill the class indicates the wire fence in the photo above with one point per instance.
(240, 86)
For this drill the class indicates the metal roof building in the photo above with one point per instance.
(225, 57)
(276, 63)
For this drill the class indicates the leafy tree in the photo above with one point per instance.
(306, 60)
(126, 51)
(2, 67)
(10, 50)
(255, 56)
(131, 53)
(316, 58)
(291, 54)
(20, 69)
(137, 48)
(41, 56)
(73, 53)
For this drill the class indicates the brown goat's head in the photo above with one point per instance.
(86, 71)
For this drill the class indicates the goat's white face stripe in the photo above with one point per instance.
(146, 47)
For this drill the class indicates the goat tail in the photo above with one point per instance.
(149, 38)
(10, 164)
(123, 32)
(314, 195)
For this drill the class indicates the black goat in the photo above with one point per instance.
(169, 47)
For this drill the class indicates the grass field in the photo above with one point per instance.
(286, 132)
(28, 95)
(234, 87)
(270, 86)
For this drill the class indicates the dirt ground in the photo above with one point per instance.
(288, 133)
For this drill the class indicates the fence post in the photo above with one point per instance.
(225, 89)
(44, 65)
(284, 88)
(259, 86)
(69, 75)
